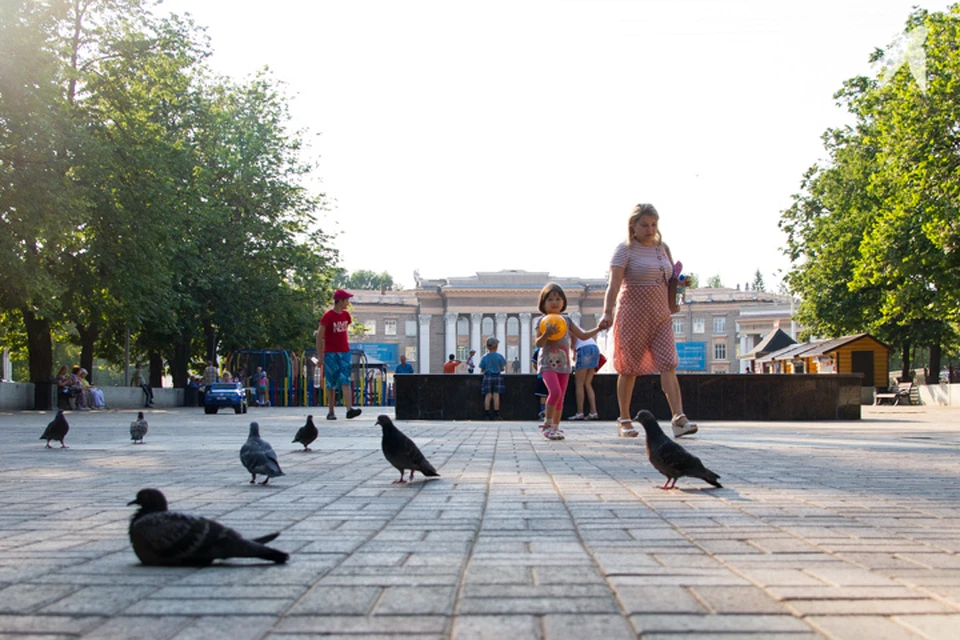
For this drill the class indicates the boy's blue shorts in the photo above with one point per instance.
(336, 369)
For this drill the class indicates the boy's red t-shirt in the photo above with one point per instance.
(335, 331)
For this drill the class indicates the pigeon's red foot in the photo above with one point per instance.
(63, 446)
(400, 481)
(265, 482)
(48, 446)
(307, 449)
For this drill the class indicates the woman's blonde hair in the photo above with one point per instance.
(642, 210)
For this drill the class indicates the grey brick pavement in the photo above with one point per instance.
(823, 530)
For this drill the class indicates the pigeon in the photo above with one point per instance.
(401, 452)
(306, 434)
(259, 457)
(162, 538)
(138, 429)
(56, 430)
(669, 458)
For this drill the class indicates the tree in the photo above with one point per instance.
(873, 237)
(365, 280)
(758, 284)
(714, 282)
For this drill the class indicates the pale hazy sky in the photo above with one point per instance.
(457, 137)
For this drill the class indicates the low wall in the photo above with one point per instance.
(16, 396)
(705, 397)
(944, 395)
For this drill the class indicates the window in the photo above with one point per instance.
(486, 326)
(371, 326)
(678, 326)
(513, 326)
(719, 350)
(411, 328)
(389, 327)
(698, 324)
(463, 326)
(719, 325)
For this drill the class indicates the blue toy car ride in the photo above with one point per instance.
(225, 394)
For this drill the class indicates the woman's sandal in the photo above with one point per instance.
(625, 428)
(682, 426)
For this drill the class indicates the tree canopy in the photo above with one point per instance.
(874, 235)
(140, 192)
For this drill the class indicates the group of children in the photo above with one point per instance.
(553, 360)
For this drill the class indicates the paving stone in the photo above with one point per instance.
(859, 627)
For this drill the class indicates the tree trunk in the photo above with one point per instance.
(88, 338)
(934, 376)
(39, 347)
(180, 363)
(156, 370)
(210, 335)
(905, 373)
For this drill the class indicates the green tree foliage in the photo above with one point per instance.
(757, 284)
(714, 282)
(874, 236)
(365, 280)
(139, 193)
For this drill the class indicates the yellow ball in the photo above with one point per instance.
(554, 320)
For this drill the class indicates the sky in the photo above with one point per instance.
(454, 137)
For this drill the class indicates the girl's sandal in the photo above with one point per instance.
(625, 428)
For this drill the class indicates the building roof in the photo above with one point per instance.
(774, 341)
(818, 348)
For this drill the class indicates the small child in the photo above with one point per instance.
(554, 360)
(492, 365)
(539, 389)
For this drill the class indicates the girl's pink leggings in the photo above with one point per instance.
(556, 387)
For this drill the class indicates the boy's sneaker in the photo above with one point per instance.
(496, 415)
(577, 416)
(353, 413)
(541, 415)
(592, 416)
(331, 416)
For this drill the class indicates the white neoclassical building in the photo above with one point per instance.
(455, 315)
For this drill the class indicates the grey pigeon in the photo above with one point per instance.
(138, 428)
(669, 458)
(259, 457)
(401, 452)
(56, 430)
(306, 434)
(164, 538)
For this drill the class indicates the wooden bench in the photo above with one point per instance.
(896, 394)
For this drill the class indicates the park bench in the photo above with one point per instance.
(896, 394)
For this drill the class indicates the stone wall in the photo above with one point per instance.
(705, 397)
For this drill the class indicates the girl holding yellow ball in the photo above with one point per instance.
(554, 363)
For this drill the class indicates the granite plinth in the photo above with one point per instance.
(705, 397)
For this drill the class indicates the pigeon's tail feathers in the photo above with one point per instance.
(274, 555)
(267, 538)
(427, 469)
(710, 477)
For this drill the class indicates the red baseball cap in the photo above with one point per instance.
(340, 294)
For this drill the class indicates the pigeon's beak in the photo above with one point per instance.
(132, 502)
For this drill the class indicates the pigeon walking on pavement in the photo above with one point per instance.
(259, 457)
(401, 452)
(669, 458)
(56, 430)
(306, 434)
(169, 539)
(138, 428)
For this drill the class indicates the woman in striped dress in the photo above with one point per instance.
(643, 339)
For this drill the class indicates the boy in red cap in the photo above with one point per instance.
(333, 353)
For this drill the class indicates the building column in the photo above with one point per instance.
(423, 352)
(501, 330)
(450, 335)
(476, 320)
(525, 350)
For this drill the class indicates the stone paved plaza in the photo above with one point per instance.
(822, 530)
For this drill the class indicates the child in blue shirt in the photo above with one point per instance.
(491, 365)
